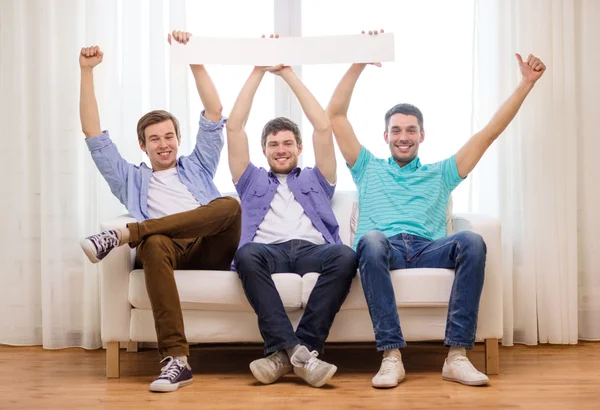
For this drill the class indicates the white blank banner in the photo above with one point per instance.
(359, 48)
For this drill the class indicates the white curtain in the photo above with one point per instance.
(52, 194)
(540, 178)
(587, 57)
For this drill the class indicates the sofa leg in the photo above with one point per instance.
(132, 347)
(112, 360)
(492, 358)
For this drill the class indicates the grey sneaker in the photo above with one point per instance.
(96, 247)
(314, 371)
(390, 373)
(271, 368)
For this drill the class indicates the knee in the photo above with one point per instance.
(347, 259)
(245, 254)
(471, 241)
(229, 205)
(155, 246)
(372, 241)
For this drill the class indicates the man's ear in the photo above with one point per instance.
(386, 137)
(142, 146)
(299, 149)
(422, 137)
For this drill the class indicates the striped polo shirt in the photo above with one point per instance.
(410, 199)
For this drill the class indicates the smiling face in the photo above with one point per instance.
(161, 145)
(404, 135)
(282, 144)
(158, 136)
(282, 151)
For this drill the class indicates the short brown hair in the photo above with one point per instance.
(154, 117)
(406, 109)
(280, 124)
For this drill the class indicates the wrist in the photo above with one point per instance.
(287, 72)
(87, 69)
(526, 84)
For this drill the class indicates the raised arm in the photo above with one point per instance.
(204, 84)
(106, 156)
(89, 58)
(470, 153)
(322, 136)
(337, 110)
(237, 140)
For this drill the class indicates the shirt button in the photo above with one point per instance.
(265, 208)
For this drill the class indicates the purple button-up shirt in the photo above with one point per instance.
(257, 188)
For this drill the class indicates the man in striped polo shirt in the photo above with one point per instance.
(402, 222)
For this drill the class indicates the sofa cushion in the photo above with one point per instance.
(216, 290)
(423, 287)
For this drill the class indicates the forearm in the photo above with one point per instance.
(310, 106)
(241, 108)
(207, 92)
(507, 111)
(88, 106)
(340, 100)
(470, 153)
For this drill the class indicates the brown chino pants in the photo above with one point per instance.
(204, 238)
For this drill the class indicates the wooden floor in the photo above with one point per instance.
(543, 377)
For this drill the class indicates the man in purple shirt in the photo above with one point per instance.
(288, 226)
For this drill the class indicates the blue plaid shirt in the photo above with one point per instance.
(129, 182)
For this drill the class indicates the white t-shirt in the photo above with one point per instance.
(167, 195)
(285, 220)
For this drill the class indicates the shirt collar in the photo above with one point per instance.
(294, 171)
(410, 167)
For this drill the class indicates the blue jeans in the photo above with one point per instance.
(255, 262)
(464, 252)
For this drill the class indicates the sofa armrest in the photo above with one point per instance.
(490, 323)
(114, 287)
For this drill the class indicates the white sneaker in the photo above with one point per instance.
(390, 373)
(460, 370)
(271, 368)
(314, 371)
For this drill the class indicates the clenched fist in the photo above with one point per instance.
(90, 57)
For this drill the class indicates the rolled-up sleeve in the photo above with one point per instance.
(209, 144)
(327, 187)
(110, 163)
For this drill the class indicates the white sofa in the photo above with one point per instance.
(215, 308)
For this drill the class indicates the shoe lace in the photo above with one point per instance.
(388, 365)
(105, 241)
(172, 369)
(464, 364)
(277, 361)
(313, 362)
